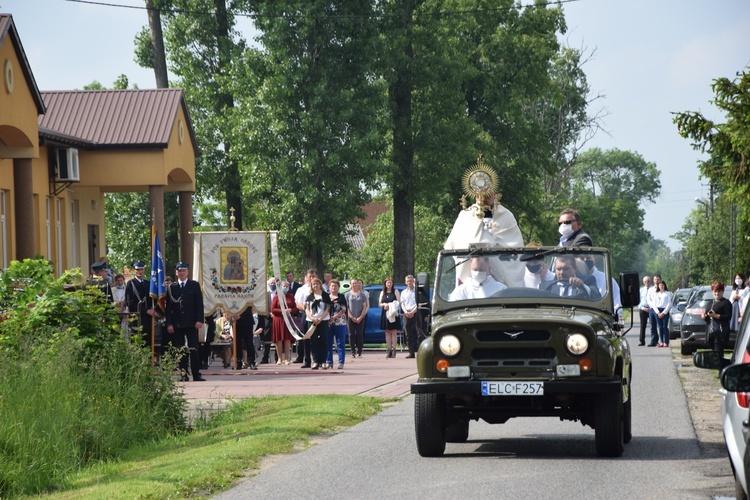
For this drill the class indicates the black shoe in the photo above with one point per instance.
(410, 355)
(253, 366)
(641, 343)
(263, 361)
(198, 379)
(297, 361)
(185, 378)
(652, 345)
(304, 365)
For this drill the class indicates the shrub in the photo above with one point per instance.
(72, 390)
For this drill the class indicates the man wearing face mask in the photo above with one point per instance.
(571, 234)
(480, 284)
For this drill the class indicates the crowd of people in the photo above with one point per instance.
(315, 309)
(722, 317)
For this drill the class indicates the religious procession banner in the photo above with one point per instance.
(231, 268)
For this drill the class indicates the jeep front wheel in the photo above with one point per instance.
(429, 424)
(608, 425)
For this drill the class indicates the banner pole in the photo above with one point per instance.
(153, 323)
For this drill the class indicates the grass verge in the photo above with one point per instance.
(221, 451)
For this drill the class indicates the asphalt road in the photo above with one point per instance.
(524, 458)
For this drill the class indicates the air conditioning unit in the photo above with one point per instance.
(67, 165)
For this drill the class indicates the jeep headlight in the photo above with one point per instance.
(450, 345)
(576, 343)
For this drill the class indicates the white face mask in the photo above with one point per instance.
(565, 229)
(479, 276)
(738, 282)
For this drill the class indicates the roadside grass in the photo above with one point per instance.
(220, 451)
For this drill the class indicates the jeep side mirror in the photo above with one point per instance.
(423, 281)
(630, 289)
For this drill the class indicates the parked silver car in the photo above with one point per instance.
(676, 309)
(735, 407)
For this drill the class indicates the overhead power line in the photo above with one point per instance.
(327, 16)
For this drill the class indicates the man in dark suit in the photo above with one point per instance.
(185, 318)
(571, 234)
(293, 284)
(569, 283)
(99, 280)
(139, 302)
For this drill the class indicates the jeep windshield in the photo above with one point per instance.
(541, 274)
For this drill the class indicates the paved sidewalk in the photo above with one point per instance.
(372, 375)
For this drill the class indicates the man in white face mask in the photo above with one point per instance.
(480, 284)
(571, 234)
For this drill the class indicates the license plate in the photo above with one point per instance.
(516, 388)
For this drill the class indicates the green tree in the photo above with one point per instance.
(728, 147)
(459, 84)
(705, 238)
(203, 46)
(129, 229)
(313, 145)
(610, 189)
(375, 261)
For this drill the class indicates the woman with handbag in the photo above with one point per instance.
(717, 319)
(662, 300)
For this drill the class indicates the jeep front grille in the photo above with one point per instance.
(511, 335)
(508, 356)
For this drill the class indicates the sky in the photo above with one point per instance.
(648, 59)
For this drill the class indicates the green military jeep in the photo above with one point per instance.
(529, 332)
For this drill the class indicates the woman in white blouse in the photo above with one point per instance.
(662, 300)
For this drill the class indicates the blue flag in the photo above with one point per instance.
(157, 291)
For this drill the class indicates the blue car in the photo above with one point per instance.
(373, 333)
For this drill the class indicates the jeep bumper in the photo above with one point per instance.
(474, 387)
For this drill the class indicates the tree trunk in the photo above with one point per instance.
(403, 157)
(159, 60)
(232, 181)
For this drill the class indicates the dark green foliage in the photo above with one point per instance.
(727, 168)
(72, 390)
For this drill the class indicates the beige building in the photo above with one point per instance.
(61, 151)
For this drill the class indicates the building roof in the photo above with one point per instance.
(372, 211)
(108, 119)
(8, 28)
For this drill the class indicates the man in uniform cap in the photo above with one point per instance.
(184, 319)
(99, 279)
(139, 302)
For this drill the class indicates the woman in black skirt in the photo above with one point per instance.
(389, 320)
